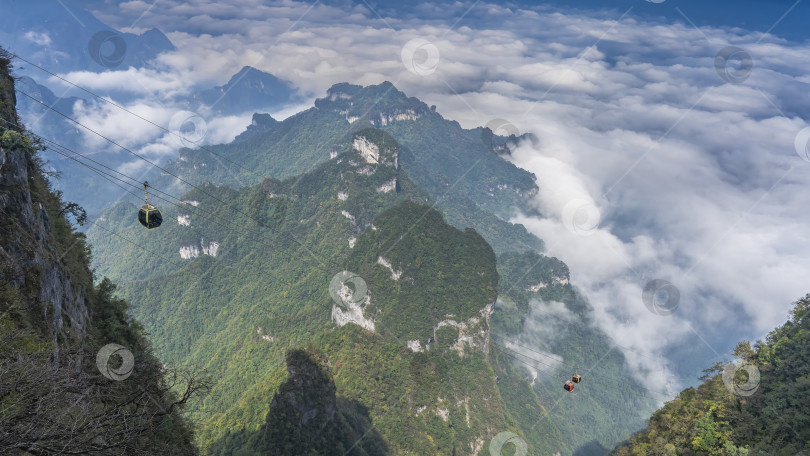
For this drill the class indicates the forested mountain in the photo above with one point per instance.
(460, 169)
(235, 278)
(59, 393)
(241, 299)
(757, 405)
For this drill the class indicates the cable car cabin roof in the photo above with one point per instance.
(149, 216)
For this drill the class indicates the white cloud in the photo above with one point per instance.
(41, 39)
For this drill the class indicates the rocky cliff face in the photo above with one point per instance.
(31, 264)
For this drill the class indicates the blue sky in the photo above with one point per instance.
(654, 160)
(758, 15)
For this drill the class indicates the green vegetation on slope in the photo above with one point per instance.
(432, 260)
(54, 320)
(266, 291)
(428, 403)
(711, 420)
(307, 418)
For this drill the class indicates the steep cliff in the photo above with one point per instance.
(77, 375)
(32, 262)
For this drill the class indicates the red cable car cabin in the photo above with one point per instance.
(569, 386)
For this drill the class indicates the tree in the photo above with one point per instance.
(69, 208)
(63, 405)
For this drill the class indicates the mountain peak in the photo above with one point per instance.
(378, 104)
(344, 90)
(245, 71)
(156, 37)
(250, 89)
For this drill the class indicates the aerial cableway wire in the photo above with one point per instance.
(94, 222)
(53, 256)
(135, 243)
(200, 189)
(617, 379)
(227, 224)
(185, 207)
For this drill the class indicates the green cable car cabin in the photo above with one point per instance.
(149, 215)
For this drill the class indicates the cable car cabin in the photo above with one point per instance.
(149, 216)
(576, 378)
(569, 386)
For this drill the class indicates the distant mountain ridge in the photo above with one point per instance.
(60, 37)
(248, 90)
(256, 90)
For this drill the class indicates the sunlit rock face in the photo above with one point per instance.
(368, 150)
(351, 312)
(473, 332)
(188, 252)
